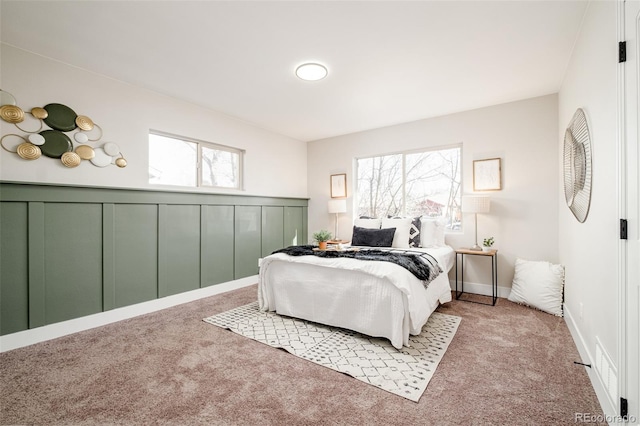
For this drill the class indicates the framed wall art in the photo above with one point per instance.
(487, 175)
(339, 185)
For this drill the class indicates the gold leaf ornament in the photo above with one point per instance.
(39, 113)
(84, 123)
(29, 151)
(11, 113)
(85, 152)
(70, 159)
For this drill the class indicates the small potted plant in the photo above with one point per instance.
(322, 237)
(487, 243)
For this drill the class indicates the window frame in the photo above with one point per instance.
(210, 145)
(404, 170)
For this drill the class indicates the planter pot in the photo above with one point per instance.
(322, 245)
(486, 248)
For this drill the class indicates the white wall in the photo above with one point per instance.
(275, 165)
(523, 217)
(589, 250)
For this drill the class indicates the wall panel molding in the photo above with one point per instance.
(14, 267)
(36, 259)
(17, 191)
(108, 257)
(91, 250)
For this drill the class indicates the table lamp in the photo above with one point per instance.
(337, 207)
(476, 204)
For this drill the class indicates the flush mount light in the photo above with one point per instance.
(311, 71)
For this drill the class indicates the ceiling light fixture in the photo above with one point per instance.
(311, 71)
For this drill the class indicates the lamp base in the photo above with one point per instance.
(476, 247)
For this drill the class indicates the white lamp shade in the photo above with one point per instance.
(475, 204)
(337, 206)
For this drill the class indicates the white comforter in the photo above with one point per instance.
(372, 297)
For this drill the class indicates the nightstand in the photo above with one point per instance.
(493, 255)
(338, 242)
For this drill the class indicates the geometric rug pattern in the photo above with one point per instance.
(405, 372)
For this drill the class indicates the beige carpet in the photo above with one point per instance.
(405, 372)
(506, 365)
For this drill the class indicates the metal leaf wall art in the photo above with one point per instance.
(53, 141)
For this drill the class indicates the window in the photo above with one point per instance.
(175, 160)
(425, 183)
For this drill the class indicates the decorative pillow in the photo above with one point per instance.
(372, 237)
(538, 284)
(431, 231)
(367, 222)
(403, 227)
(414, 232)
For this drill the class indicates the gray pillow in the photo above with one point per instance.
(372, 237)
(414, 232)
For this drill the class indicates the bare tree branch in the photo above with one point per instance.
(382, 186)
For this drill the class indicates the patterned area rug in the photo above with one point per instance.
(404, 372)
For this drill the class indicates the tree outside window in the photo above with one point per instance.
(425, 183)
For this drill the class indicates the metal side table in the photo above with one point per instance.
(493, 254)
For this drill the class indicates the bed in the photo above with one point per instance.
(376, 298)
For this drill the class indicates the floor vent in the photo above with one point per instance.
(606, 371)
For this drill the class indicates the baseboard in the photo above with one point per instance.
(478, 288)
(53, 331)
(608, 406)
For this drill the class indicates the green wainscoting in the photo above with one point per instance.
(72, 241)
(68, 252)
(272, 229)
(217, 244)
(179, 249)
(14, 267)
(294, 233)
(248, 242)
(131, 267)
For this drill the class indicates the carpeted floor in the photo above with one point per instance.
(506, 365)
(372, 360)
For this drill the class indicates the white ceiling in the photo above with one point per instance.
(389, 61)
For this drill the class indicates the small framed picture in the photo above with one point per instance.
(339, 185)
(487, 175)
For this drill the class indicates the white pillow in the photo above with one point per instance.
(432, 231)
(403, 227)
(368, 223)
(538, 284)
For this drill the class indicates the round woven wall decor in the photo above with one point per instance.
(577, 166)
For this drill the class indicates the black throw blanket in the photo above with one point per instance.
(420, 264)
